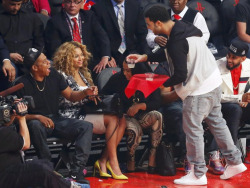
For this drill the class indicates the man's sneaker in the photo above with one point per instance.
(232, 170)
(186, 166)
(191, 179)
(78, 176)
(247, 158)
(215, 164)
(78, 185)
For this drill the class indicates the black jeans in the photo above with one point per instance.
(172, 114)
(75, 130)
(32, 174)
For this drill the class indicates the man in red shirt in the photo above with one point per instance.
(235, 73)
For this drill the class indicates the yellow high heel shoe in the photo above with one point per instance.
(120, 177)
(101, 173)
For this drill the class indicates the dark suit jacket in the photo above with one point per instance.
(94, 37)
(135, 26)
(4, 53)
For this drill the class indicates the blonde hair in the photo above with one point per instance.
(63, 59)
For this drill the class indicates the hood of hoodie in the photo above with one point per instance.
(183, 30)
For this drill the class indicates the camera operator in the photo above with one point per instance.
(13, 171)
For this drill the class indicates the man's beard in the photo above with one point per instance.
(233, 67)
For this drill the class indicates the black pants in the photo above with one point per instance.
(32, 174)
(172, 114)
(75, 130)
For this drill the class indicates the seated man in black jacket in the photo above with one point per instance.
(20, 30)
(45, 85)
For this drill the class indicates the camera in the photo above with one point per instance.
(7, 105)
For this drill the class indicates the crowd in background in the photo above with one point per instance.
(58, 57)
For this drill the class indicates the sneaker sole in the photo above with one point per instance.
(238, 172)
(180, 183)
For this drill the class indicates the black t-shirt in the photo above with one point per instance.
(11, 144)
(242, 14)
(46, 101)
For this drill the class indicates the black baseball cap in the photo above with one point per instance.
(238, 48)
(30, 57)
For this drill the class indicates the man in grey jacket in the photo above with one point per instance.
(196, 80)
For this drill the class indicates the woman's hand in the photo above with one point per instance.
(92, 94)
(135, 108)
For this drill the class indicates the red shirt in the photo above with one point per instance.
(235, 73)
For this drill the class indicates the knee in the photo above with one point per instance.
(157, 115)
(122, 123)
(234, 111)
(85, 126)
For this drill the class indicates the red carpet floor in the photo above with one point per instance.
(144, 180)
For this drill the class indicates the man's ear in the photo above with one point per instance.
(243, 58)
(158, 23)
(34, 68)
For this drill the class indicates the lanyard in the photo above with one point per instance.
(79, 20)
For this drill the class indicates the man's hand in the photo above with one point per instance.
(9, 70)
(112, 63)
(16, 57)
(168, 96)
(47, 122)
(21, 108)
(101, 65)
(246, 97)
(135, 58)
(243, 104)
(92, 93)
(162, 41)
(44, 12)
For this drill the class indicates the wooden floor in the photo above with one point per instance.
(144, 180)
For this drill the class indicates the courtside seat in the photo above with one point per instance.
(210, 14)
(56, 6)
(213, 23)
(104, 76)
(243, 135)
(43, 18)
(144, 3)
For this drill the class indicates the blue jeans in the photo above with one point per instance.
(207, 107)
(75, 130)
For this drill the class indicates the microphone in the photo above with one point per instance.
(11, 90)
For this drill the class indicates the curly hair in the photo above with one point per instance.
(63, 59)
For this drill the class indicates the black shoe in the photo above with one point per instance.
(78, 176)
(151, 170)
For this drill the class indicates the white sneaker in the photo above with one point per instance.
(191, 179)
(232, 170)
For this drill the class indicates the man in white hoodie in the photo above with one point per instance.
(196, 80)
